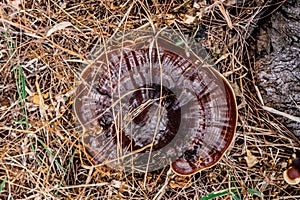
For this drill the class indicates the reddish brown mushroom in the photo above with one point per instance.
(292, 174)
(149, 102)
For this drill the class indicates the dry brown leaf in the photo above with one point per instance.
(250, 159)
(36, 98)
(180, 182)
(170, 18)
(188, 19)
(118, 184)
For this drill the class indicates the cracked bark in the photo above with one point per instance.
(278, 69)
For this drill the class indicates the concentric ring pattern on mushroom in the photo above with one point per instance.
(152, 98)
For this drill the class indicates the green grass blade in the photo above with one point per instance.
(254, 192)
(2, 184)
(219, 194)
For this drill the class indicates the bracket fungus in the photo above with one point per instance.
(152, 101)
(292, 174)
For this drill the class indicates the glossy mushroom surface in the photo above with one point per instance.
(292, 174)
(147, 104)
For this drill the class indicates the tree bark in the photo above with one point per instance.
(278, 69)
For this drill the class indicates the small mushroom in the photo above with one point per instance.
(150, 102)
(292, 174)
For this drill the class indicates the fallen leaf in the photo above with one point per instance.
(188, 19)
(180, 182)
(250, 159)
(36, 98)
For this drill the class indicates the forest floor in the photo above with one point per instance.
(44, 45)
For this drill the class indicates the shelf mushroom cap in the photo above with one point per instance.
(147, 104)
(292, 174)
